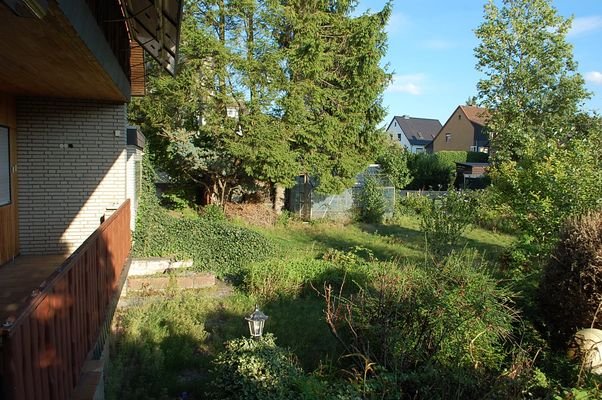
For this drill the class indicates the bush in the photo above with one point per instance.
(255, 369)
(439, 332)
(437, 171)
(493, 214)
(213, 212)
(213, 244)
(571, 286)
(445, 219)
(371, 203)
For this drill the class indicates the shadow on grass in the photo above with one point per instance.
(384, 250)
(170, 350)
(414, 239)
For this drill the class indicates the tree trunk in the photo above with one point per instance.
(279, 198)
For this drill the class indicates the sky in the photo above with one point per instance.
(431, 53)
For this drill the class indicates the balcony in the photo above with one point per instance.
(56, 311)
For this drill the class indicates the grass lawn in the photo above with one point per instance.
(164, 346)
(387, 242)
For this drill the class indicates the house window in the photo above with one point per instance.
(448, 137)
(459, 116)
(4, 166)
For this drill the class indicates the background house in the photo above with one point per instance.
(68, 70)
(413, 133)
(463, 131)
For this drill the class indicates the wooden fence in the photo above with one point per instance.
(45, 348)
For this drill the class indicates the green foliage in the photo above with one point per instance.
(437, 171)
(305, 103)
(492, 213)
(439, 332)
(445, 219)
(393, 160)
(571, 288)
(212, 243)
(332, 100)
(531, 86)
(371, 205)
(255, 369)
(213, 212)
(546, 153)
(428, 173)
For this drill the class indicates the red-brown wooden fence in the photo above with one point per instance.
(44, 350)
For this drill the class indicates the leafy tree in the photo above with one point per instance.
(371, 202)
(305, 103)
(335, 81)
(393, 160)
(545, 150)
(531, 85)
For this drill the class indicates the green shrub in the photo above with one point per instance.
(371, 205)
(213, 212)
(493, 214)
(445, 219)
(255, 369)
(213, 244)
(428, 173)
(437, 171)
(571, 286)
(440, 332)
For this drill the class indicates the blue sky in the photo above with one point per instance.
(431, 45)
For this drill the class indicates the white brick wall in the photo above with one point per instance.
(134, 163)
(71, 168)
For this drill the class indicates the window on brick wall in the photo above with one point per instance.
(4, 166)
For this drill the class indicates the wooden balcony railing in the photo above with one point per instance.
(44, 349)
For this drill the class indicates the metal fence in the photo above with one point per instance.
(309, 204)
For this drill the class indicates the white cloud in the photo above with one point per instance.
(583, 25)
(410, 84)
(594, 77)
(438, 44)
(397, 22)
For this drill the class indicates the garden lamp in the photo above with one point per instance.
(256, 322)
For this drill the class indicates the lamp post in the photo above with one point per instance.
(256, 322)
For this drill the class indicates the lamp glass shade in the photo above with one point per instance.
(256, 322)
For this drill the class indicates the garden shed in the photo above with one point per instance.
(307, 202)
(471, 175)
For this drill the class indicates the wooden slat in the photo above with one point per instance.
(137, 70)
(45, 349)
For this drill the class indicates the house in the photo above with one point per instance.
(463, 131)
(413, 133)
(68, 70)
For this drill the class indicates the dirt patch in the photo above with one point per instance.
(260, 214)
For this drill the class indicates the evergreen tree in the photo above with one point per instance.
(335, 81)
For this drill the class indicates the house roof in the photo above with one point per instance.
(476, 115)
(418, 131)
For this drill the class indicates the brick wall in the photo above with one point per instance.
(71, 167)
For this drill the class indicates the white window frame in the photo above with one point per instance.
(5, 167)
